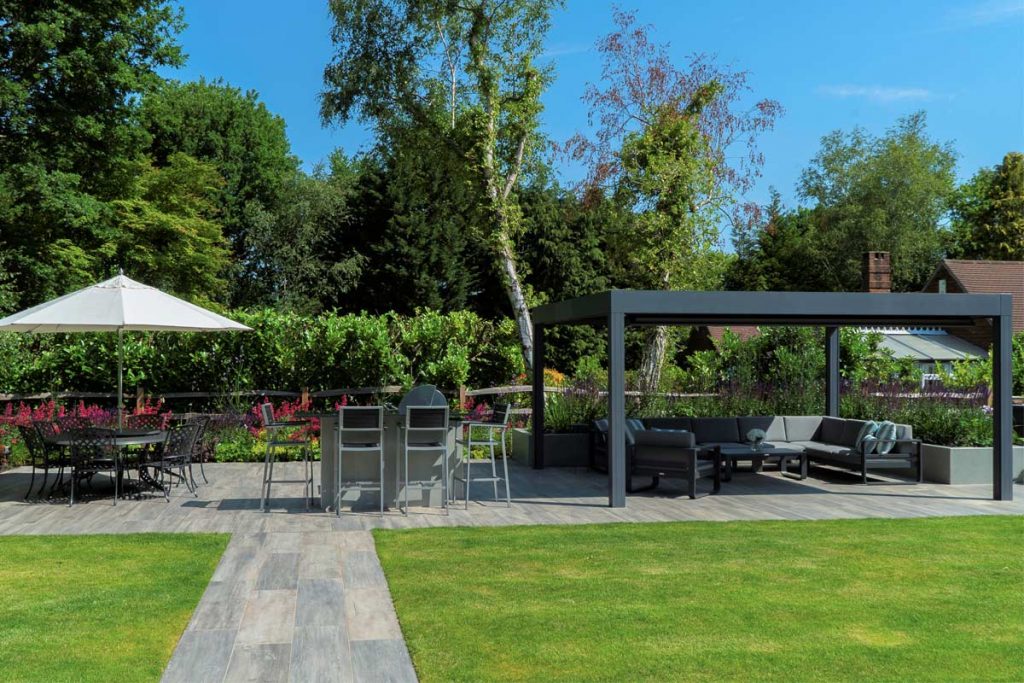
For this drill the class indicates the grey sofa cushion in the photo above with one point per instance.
(773, 426)
(851, 430)
(802, 427)
(831, 430)
(633, 427)
(717, 429)
(666, 439)
(822, 448)
(682, 423)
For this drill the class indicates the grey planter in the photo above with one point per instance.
(964, 465)
(560, 450)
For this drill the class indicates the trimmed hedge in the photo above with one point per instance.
(285, 351)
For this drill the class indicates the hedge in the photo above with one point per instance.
(285, 351)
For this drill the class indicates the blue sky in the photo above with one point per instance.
(831, 64)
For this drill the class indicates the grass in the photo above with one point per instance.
(850, 600)
(98, 608)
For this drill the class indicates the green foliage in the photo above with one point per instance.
(482, 109)
(216, 123)
(970, 374)
(880, 194)
(286, 351)
(70, 77)
(301, 257)
(165, 233)
(579, 403)
(988, 213)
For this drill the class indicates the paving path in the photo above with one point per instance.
(294, 606)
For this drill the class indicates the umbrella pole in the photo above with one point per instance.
(120, 375)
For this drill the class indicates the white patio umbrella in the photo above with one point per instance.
(117, 305)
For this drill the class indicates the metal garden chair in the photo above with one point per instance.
(278, 439)
(493, 435)
(425, 432)
(360, 432)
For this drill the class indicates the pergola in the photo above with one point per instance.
(618, 309)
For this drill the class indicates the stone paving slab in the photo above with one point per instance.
(281, 608)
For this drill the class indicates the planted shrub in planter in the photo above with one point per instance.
(567, 417)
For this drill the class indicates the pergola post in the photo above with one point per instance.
(616, 410)
(1002, 443)
(538, 397)
(832, 371)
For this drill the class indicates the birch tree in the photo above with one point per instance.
(465, 71)
(677, 146)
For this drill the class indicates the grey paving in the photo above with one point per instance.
(300, 596)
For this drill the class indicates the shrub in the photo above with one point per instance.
(285, 351)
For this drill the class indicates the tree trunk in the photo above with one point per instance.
(653, 359)
(516, 297)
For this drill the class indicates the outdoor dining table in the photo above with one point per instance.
(124, 438)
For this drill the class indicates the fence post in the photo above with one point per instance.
(140, 395)
(304, 396)
(462, 396)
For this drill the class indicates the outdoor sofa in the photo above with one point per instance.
(664, 446)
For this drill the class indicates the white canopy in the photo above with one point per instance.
(119, 303)
(116, 305)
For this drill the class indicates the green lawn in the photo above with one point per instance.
(98, 608)
(851, 600)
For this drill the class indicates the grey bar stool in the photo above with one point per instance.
(360, 431)
(494, 430)
(424, 432)
(275, 441)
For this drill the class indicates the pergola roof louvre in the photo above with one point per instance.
(617, 309)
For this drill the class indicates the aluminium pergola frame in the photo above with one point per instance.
(619, 309)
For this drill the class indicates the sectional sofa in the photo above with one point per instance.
(656, 446)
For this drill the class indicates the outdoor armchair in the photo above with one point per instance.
(664, 453)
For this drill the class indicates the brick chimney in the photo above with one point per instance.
(877, 272)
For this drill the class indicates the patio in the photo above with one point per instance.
(230, 503)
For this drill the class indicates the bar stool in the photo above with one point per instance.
(495, 435)
(275, 441)
(360, 430)
(425, 431)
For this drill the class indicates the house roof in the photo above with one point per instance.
(928, 345)
(988, 277)
(744, 332)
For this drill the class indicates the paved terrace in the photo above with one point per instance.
(300, 596)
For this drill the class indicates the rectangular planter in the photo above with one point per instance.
(964, 465)
(560, 450)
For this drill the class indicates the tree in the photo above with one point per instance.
(71, 74)
(777, 253)
(466, 73)
(416, 233)
(215, 122)
(988, 213)
(666, 146)
(880, 194)
(165, 232)
(302, 254)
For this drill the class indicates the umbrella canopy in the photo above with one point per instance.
(118, 304)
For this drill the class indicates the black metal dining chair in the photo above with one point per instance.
(37, 456)
(93, 450)
(175, 456)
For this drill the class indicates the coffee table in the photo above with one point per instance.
(731, 454)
